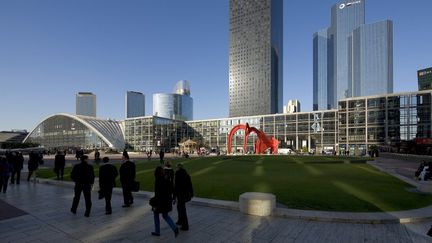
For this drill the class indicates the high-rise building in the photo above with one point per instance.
(135, 104)
(255, 57)
(346, 16)
(424, 79)
(371, 62)
(352, 58)
(178, 105)
(86, 104)
(322, 70)
(293, 106)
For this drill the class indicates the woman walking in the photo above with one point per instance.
(162, 201)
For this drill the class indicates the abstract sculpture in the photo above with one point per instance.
(261, 144)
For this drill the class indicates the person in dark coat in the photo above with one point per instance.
(183, 192)
(163, 197)
(161, 156)
(6, 170)
(107, 176)
(33, 164)
(17, 163)
(59, 164)
(169, 172)
(127, 179)
(83, 176)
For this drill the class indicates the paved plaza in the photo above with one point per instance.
(48, 220)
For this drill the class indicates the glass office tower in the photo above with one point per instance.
(322, 70)
(371, 59)
(135, 104)
(178, 105)
(86, 104)
(345, 17)
(255, 57)
(424, 79)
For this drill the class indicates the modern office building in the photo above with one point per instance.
(293, 106)
(135, 104)
(255, 57)
(371, 62)
(351, 58)
(178, 105)
(424, 79)
(71, 131)
(86, 104)
(346, 16)
(322, 70)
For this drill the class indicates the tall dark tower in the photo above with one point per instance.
(255, 57)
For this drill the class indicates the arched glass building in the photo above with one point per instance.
(71, 131)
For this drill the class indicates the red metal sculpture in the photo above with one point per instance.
(261, 144)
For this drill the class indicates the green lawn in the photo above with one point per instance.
(318, 183)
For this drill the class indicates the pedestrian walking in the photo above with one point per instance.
(169, 172)
(162, 202)
(161, 156)
(183, 193)
(6, 170)
(59, 165)
(83, 176)
(127, 179)
(18, 164)
(33, 164)
(107, 176)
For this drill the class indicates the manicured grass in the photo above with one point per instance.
(310, 182)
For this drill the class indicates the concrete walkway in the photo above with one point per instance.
(49, 220)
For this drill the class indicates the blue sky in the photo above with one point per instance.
(51, 49)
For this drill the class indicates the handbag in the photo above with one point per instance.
(135, 186)
(430, 232)
(153, 202)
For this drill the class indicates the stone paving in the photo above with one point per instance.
(49, 220)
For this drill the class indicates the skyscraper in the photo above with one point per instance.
(178, 105)
(135, 104)
(255, 57)
(424, 79)
(293, 106)
(371, 62)
(322, 70)
(358, 57)
(345, 17)
(86, 104)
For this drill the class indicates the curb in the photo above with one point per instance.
(397, 217)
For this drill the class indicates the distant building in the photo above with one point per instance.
(255, 57)
(135, 104)
(424, 79)
(178, 105)
(293, 106)
(351, 58)
(14, 136)
(86, 104)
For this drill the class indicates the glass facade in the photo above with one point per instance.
(86, 104)
(322, 70)
(173, 106)
(135, 104)
(371, 59)
(346, 16)
(69, 131)
(255, 57)
(388, 121)
(424, 79)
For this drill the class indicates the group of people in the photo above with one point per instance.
(170, 188)
(424, 171)
(12, 164)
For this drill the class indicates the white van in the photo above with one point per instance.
(285, 151)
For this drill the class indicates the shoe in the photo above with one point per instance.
(176, 232)
(184, 228)
(73, 211)
(126, 206)
(178, 223)
(155, 234)
(108, 212)
(87, 215)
